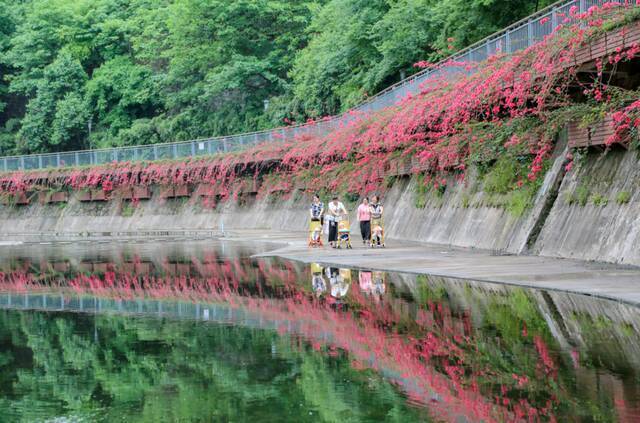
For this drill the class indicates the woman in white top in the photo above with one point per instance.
(336, 211)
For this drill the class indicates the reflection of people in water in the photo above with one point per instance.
(340, 281)
(364, 281)
(379, 287)
(372, 283)
(332, 273)
(318, 284)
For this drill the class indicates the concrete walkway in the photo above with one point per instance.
(603, 280)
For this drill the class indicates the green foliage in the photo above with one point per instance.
(503, 176)
(506, 185)
(520, 200)
(389, 181)
(466, 200)
(599, 200)
(623, 197)
(420, 193)
(579, 196)
(56, 116)
(139, 72)
(127, 210)
(350, 200)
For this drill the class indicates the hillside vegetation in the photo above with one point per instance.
(78, 74)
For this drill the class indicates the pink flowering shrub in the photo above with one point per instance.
(510, 106)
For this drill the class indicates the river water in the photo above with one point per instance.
(203, 332)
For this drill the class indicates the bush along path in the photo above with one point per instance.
(503, 118)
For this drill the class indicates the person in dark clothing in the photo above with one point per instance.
(336, 211)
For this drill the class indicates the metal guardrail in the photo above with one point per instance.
(518, 36)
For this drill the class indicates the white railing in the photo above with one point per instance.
(518, 36)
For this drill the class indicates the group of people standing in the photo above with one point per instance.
(369, 215)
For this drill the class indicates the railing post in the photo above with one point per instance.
(175, 151)
(135, 154)
(39, 161)
(255, 139)
(529, 33)
(5, 164)
(22, 162)
(77, 158)
(583, 6)
(554, 20)
(155, 152)
(193, 148)
(224, 145)
(507, 43)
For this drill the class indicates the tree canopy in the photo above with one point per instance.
(96, 73)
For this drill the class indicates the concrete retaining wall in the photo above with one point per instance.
(463, 216)
(594, 230)
(155, 214)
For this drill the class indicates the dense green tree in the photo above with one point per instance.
(332, 70)
(56, 115)
(10, 106)
(121, 94)
(226, 58)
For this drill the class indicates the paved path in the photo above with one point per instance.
(603, 280)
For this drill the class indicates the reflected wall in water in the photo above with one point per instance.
(455, 349)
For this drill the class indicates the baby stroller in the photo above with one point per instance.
(344, 233)
(377, 233)
(315, 233)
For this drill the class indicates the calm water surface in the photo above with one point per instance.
(203, 332)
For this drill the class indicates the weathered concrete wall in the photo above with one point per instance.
(580, 224)
(154, 214)
(464, 216)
